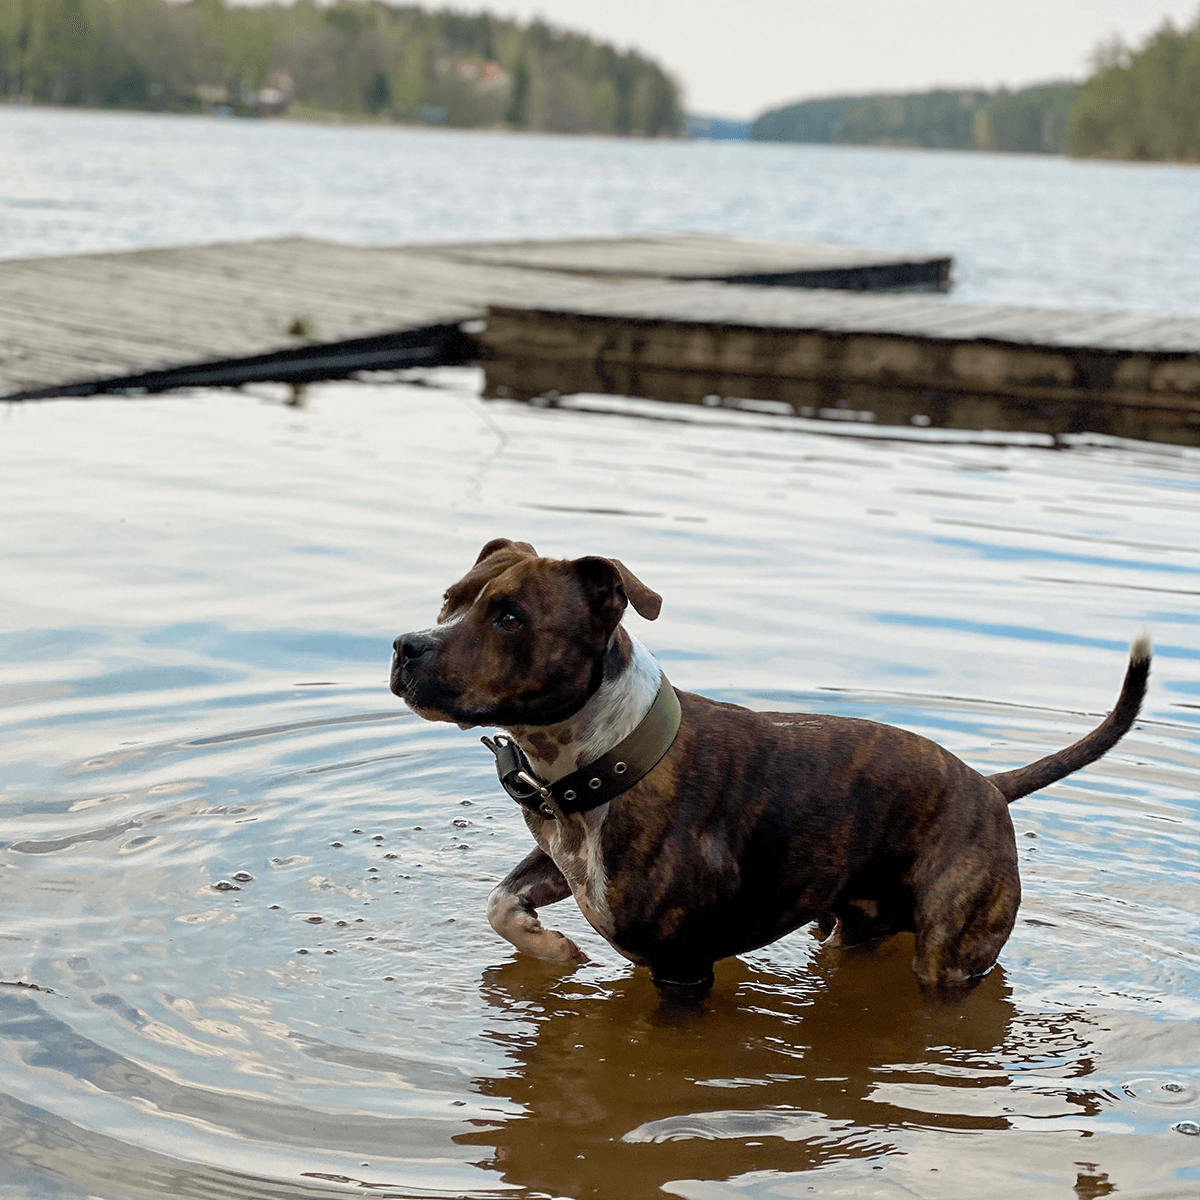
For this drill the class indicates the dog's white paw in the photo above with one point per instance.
(557, 947)
(522, 928)
(532, 937)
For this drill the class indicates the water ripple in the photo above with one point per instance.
(244, 919)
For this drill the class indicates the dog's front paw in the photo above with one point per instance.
(534, 938)
(519, 925)
(565, 950)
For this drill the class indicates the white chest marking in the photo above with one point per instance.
(576, 850)
(609, 717)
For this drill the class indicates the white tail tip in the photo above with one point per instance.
(1141, 648)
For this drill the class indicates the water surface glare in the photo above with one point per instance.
(248, 886)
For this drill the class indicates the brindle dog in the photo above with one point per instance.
(752, 823)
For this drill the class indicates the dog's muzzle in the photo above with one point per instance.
(411, 653)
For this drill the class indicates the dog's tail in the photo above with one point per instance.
(1015, 784)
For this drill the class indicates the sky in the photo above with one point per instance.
(737, 59)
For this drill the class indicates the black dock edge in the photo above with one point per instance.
(431, 346)
(932, 275)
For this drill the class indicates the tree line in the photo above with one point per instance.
(353, 57)
(1034, 120)
(1138, 104)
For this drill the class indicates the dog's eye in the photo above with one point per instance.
(509, 622)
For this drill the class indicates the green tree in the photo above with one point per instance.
(378, 93)
(1142, 104)
(517, 115)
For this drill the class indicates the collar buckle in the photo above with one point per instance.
(597, 782)
(518, 780)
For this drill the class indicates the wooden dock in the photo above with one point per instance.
(897, 360)
(129, 321)
(683, 318)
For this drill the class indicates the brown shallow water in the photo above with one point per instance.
(250, 886)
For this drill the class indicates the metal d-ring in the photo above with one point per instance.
(549, 806)
(542, 790)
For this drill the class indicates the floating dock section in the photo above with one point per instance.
(895, 360)
(686, 318)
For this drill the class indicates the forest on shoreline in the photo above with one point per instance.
(354, 57)
(371, 59)
(1137, 104)
(1032, 120)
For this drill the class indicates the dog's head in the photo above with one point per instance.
(520, 640)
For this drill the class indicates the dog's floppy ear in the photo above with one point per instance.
(646, 602)
(612, 584)
(504, 544)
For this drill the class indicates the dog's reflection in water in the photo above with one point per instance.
(776, 1070)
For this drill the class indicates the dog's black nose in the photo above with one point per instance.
(411, 646)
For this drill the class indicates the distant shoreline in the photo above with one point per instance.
(344, 120)
(350, 121)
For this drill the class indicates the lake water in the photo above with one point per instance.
(243, 950)
(1023, 229)
(201, 592)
